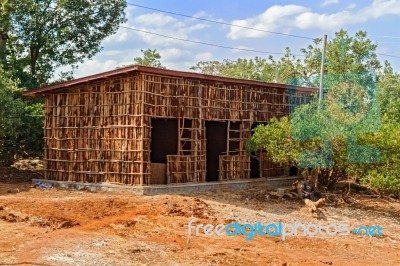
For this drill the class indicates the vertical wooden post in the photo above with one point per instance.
(179, 136)
(168, 171)
(144, 178)
(260, 164)
(227, 137)
(321, 80)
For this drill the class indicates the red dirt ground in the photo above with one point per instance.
(55, 227)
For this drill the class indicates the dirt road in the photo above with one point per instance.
(50, 227)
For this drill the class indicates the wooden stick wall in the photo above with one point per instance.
(101, 131)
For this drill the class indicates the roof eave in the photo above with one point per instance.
(159, 71)
(65, 84)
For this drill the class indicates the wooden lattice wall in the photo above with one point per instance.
(100, 131)
(94, 132)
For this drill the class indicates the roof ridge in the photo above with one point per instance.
(159, 71)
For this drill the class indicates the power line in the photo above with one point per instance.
(387, 42)
(234, 25)
(204, 43)
(386, 36)
(394, 56)
(221, 23)
(388, 55)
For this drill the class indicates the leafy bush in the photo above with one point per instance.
(31, 132)
(11, 109)
(383, 180)
(21, 123)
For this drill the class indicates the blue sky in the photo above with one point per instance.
(380, 18)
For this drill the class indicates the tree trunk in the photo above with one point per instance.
(3, 43)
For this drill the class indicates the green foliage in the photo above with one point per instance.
(384, 176)
(345, 54)
(30, 141)
(4, 26)
(44, 35)
(316, 138)
(21, 123)
(150, 58)
(11, 108)
(275, 138)
(387, 181)
(354, 131)
(351, 54)
(258, 68)
(389, 94)
(289, 144)
(37, 37)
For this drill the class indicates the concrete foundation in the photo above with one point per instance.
(186, 188)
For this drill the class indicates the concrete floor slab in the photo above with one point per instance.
(186, 188)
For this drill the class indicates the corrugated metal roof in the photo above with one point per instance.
(158, 71)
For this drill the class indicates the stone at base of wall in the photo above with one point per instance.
(186, 188)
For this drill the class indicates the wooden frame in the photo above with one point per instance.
(100, 130)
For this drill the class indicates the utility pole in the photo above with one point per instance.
(321, 79)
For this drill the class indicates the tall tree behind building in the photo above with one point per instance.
(44, 35)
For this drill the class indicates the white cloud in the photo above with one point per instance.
(122, 35)
(95, 66)
(113, 52)
(172, 58)
(377, 9)
(270, 20)
(205, 15)
(129, 11)
(166, 25)
(380, 8)
(309, 20)
(280, 18)
(206, 56)
(156, 20)
(351, 6)
(238, 51)
(171, 54)
(329, 2)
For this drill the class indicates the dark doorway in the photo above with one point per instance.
(254, 159)
(164, 139)
(254, 166)
(216, 145)
(293, 171)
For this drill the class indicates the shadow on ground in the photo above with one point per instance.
(13, 180)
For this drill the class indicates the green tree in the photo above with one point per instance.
(320, 135)
(150, 58)
(284, 140)
(4, 27)
(389, 94)
(276, 139)
(21, 123)
(344, 54)
(44, 35)
(11, 110)
(257, 68)
(210, 67)
(30, 133)
(385, 176)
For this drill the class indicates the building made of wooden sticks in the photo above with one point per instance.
(139, 126)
